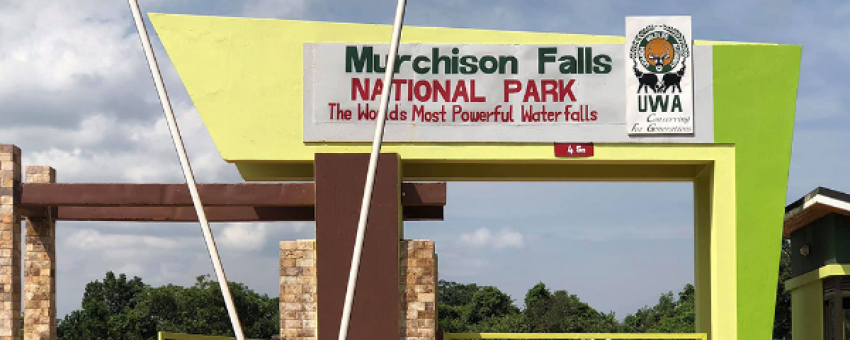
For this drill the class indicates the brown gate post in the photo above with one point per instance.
(339, 192)
(40, 266)
(10, 242)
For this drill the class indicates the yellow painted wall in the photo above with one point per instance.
(702, 249)
(723, 253)
(807, 312)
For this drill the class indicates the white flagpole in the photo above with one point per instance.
(187, 168)
(373, 167)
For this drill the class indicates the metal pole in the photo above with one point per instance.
(373, 167)
(187, 168)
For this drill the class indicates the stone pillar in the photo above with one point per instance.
(40, 267)
(298, 290)
(418, 290)
(10, 242)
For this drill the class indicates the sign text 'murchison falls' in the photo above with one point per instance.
(362, 59)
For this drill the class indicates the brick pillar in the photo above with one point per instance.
(40, 267)
(298, 290)
(418, 290)
(10, 242)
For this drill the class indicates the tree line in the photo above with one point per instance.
(472, 308)
(122, 308)
(466, 308)
(128, 309)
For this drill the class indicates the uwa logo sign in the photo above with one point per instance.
(660, 88)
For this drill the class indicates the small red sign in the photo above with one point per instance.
(573, 149)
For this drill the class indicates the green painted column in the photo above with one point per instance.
(755, 90)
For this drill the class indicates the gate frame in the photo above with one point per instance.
(711, 168)
(251, 101)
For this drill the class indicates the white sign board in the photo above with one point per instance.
(480, 93)
(659, 88)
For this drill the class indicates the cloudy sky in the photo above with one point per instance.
(76, 94)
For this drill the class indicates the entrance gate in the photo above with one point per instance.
(253, 101)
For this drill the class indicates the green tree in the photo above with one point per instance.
(451, 318)
(107, 312)
(452, 305)
(782, 317)
(456, 294)
(510, 323)
(118, 308)
(471, 308)
(561, 312)
(489, 302)
(536, 294)
(176, 309)
(669, 315)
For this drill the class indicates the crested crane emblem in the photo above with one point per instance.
(659, 54)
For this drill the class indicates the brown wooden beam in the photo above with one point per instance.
(33, 211)
(214, 214)
(423, 194)
(152, 195)
(185, 214)
(422, 213)
(177, 195)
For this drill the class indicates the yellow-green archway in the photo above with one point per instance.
(245, 78)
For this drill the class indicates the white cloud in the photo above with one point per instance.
(505, 238)
(243, 236)
(275, 8)
(88, 239)
(52, 44)
(63, 61)
(253, 237)
(106, 149)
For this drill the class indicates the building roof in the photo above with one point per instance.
(814, 205)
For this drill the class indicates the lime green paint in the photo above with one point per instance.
(571, 336)
(818, 275)
(755, 91)
(807, 310)
(246, 84)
